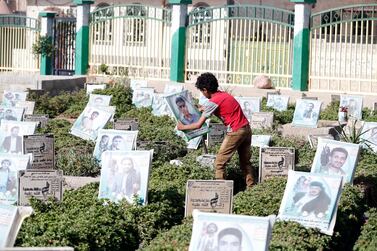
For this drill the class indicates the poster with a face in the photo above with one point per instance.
(185, 112)
(11, 113)
(311, 199)
(142, 97)
(91, 87)
(28, 106)
(138, 83)
(354, 105)
(99, 100)
(124, 175)
(10, 98)
(159, 105)
(11, 135)
(114, 140)
(8, 215)
(173, 88)
(224, 232)
(249, 105)
(306, 113)
(278, 102)
(89, 122)
(336, 158)
(370, 135)
(10, 164)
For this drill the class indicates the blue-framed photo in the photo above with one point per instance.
(215, 231)
(278, 102)
(125, 175)
(249, 105)
(89, 122)
(10, 164)
(99, 100)
(185, 112)
(369, 135)
(311, 199)
(336, 158)
(11, 135)
(11, 113)
(306, 113)
(354, 105)
(10, 98)
(142, 97)
(114, 140)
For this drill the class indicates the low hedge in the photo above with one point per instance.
(368, 237)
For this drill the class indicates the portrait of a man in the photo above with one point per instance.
(13, 142)
(308, 112)
(314, 201)
(184, 114)
(117, 143)
(336, 159)
(4, 175)
(88, 122)
(125, 179)
(229, 239)
(354, 105)
(246, 108)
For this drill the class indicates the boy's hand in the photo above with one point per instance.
(201, 108)
(180, 126)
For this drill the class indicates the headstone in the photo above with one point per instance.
(216, 134)
(313, 139)
(272, 93)
(310, 98)
(42, 119)
(214, 196)
(126, 124)
(375, 106)
(41, 184)
(43, 150)
(275, 161)
(262, 120)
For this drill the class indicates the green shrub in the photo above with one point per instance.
(80, 221)
(77, 161)
(70, 103)
(176, 239)
(369, 115)
(368, 237)
(261, 200)
(330, 112)
(289, 235)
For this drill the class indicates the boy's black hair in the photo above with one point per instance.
(208, 81)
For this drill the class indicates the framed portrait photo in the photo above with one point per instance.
(91, 87)
(114, 140)
(278, 102)
(142, 97)
(336, 158)
(249, 105)
(354, 105)
(306, 113)
(99, 100)
(10, 98)
(125, 175)
(173, 87)
(216, 231)
(11, 113)
(11, 135)
(159, 105)
(89, 122)
(369, 135)
(138, 83)
(185, 112)
(311, 200)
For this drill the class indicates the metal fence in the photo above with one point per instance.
(239, 42)
(344, 50)
(17, 35)
(131, 39)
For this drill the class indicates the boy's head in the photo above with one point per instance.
(207, 84)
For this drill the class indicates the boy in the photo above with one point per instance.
(238, 137)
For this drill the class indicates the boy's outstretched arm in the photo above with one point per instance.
(195, 125)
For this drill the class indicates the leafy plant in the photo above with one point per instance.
(103, 68)
(353, 133)
(43, 46)
(367, 239)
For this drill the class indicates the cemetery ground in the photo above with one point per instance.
(85, 222)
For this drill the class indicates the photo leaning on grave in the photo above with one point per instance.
(188, 125)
